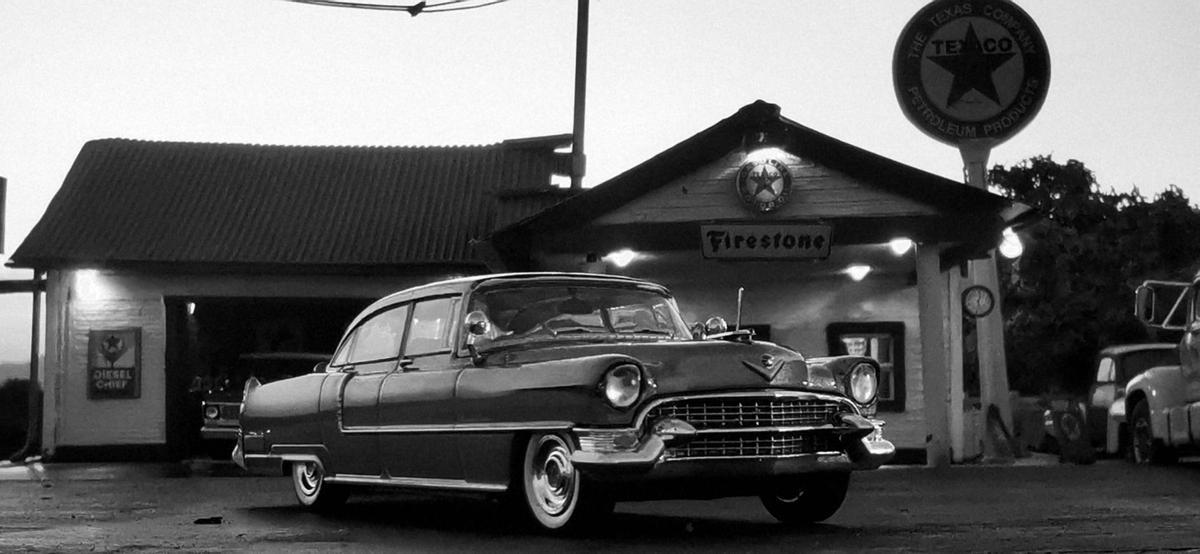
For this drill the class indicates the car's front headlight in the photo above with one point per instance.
(862, 383)
(211, 412)
(622, 384)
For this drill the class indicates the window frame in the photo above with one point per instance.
(451, 330)
(835, 330)
(347, 345)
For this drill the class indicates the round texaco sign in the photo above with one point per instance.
(971, 70)
(764, 185)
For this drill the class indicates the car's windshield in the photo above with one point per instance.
(589, 312)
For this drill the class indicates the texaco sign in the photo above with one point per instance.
(971, 70)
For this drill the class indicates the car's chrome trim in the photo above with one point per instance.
(776, 393)
(461, 428)
(415, 482)
(819, 454)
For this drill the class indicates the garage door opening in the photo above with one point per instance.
(210, 341)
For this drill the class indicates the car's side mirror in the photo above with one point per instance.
(1143, 306)
(321, 367)
(477, 324)
(715, 325)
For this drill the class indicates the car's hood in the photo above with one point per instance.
(686, 366)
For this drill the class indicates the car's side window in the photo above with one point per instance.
(1106, 373)
(377, 338)
(431, 326)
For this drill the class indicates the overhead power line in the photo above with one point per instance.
(412, 9)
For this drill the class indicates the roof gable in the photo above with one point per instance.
(729, 137)
(816, 192)
(138, 202)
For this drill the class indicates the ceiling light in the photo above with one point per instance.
(857, 271)
(901, 245)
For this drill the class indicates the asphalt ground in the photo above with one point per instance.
(1034, 505)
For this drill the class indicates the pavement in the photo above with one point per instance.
(34, 469)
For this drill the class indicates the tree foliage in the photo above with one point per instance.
(1071, 292)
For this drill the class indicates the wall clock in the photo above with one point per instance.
(978, 301)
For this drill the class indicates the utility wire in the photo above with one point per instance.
(412, 9)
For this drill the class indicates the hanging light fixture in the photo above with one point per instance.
(1010, 245)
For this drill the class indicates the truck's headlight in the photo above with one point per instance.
(862, 383)
(211, 412)
(622, 385)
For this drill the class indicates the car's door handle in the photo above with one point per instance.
(406, 364)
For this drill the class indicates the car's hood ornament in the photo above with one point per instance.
(768, 368)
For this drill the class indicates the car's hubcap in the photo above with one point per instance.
(1141, 440)
(553, 476)
(309, 478)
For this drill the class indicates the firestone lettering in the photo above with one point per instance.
(722, 240)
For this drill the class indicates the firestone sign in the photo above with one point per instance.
(748, 241)
(971, 70)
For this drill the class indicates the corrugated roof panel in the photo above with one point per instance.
(127, 201)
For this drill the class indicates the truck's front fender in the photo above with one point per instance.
(1162, 387)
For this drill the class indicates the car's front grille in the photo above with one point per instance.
(749, 412)
(753, 426)
(756, 445)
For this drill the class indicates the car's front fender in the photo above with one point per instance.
(1162, 388)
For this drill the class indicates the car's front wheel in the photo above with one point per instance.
(308, 481)
(809, 500)
(554, 493)
(1143, 447)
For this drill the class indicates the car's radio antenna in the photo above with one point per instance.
(737, 323)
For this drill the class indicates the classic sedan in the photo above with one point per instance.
(565, 393)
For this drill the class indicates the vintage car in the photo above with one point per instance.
(1081, 426)
(221, 400)
(565, 393)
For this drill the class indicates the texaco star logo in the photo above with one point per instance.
(764, 186)
(971, 70)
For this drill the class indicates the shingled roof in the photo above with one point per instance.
(288, 208)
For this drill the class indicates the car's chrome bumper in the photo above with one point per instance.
(861, 447)
(218, 433)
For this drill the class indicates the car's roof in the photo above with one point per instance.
(463, 284)
(1120, 349)
(316, 356)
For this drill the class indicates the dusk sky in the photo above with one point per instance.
(1124, 77)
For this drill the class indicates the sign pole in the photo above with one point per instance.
(989, 329)
(971, 73)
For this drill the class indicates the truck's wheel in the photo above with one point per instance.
(308, 481)
(810, 500)
(554, 492)
(1144, 448)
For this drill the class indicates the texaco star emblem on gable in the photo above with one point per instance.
(765, 185)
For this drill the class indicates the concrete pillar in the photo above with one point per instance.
(932, 299)
(955, 331)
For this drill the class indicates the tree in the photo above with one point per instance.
(1071, 292)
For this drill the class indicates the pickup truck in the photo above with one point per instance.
(1163, 403)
